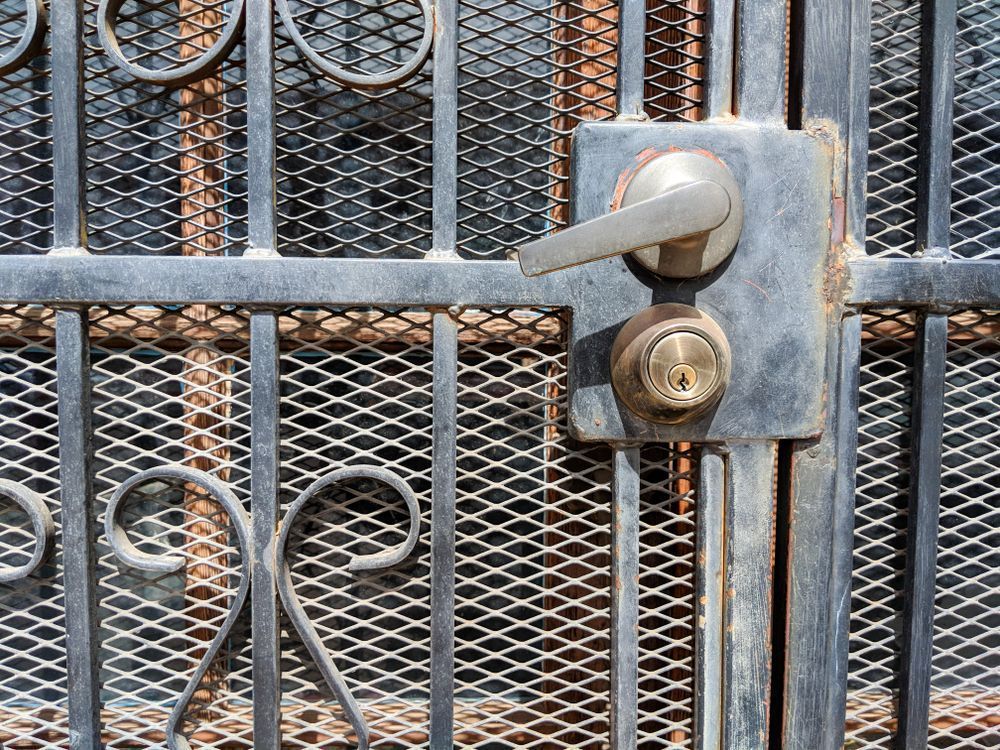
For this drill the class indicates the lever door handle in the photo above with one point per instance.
(681, 214)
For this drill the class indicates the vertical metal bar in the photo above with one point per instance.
(443, 532)
(444, 240)
(631, 58)
(264, 425)
(760, 60)
(859, 82)
(711, 501)
(261, 192)
(75, 473)
(937, 83)
(817, 467)
(69, 230)
(842, 533)
(922, 531)
(749, 531)
(624, 598)
(719, 61)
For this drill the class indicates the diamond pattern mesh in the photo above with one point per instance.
(356, 389)
(675, 51)
(975, 212)
(529, 72)
(880, 525)
(166, 167)
(532, 536)
(171, 386)
(354, 167)
(26, 144)
(32, 649)
(667, 597)
(965, 666)
(892, 139)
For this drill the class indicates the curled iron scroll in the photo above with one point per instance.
(369, 81)
(107, 16)
(29, 44)
(41, 523)
(127, 552)
(379, 561)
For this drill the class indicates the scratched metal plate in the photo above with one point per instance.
(769, 297)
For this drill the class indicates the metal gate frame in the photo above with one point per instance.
(734, 675)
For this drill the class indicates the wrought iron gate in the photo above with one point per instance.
(355, 480)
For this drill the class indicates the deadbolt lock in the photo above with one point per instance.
(670, 363)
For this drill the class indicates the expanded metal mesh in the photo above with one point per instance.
(166, 165)
(879, 527)
(975, 210)
(667, 597)
(171, 386)
(529, 72)
(965, 666)
(354, 166)
(32, 628)
(893, 120)
(25, 142)
(675, 58)
(356, 390)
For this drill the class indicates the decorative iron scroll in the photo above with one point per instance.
(41, 523)
(107, 19)
(107, 16)
(30, 43)
(379, 561)
(369, 81)
(128, 553)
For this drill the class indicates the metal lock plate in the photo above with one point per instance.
(768, 297)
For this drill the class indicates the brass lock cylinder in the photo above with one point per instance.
(670, 363)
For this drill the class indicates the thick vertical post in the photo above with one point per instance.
(264, 406)
(624, 598)
(842, 535)
(937, 84)
(444, 197)
(69, 222)
(922, 531)
(760, 60)
(261, 191)
(818, 469)
(443, 532)
(748, 582)
(75, 472)
(631, 58)
(263, 242)
(711, 502)
(720, 49)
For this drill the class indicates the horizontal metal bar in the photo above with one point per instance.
(264, 282)
(924, 282)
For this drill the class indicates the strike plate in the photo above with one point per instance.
(769, 297)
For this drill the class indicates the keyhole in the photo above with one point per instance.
(683, 384)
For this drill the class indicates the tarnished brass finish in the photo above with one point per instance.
(670, 363)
